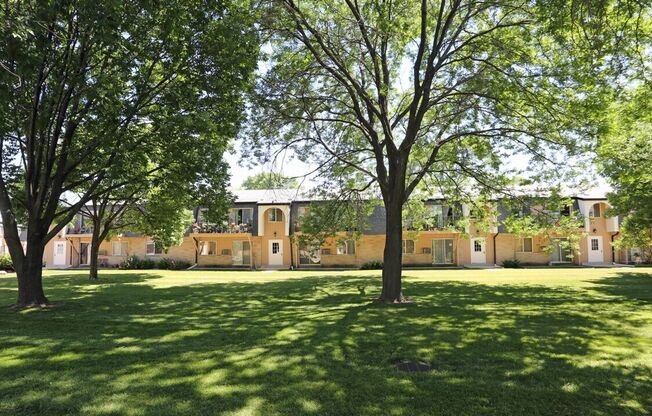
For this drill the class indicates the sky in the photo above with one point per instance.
(293, 167)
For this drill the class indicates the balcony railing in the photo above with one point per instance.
(79, 230)
(433, 225)
(221, 229)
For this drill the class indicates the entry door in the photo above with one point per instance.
(478, 251)
(275, 252)
(59, 258)
(595, 250)
(84, 253)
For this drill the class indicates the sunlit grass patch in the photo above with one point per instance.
(539, 341)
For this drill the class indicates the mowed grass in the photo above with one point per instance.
(501, 342)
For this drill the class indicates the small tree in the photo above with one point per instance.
(625, 158)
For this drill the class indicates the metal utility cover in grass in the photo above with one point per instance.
(413, 366)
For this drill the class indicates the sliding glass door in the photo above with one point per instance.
(442, 251)
(241, 253)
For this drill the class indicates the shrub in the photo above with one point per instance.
(172, 264)
(165, 263)
(372, 265)
(135, 263)
(512, 264)
(6, 263)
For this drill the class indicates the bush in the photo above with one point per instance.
(6, 263)
(512, 264)
(136, 263)
(372, 265)
(172, 264)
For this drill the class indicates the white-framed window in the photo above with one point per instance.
(207, 248)
(239, 216)
(152, 250)
(594, 212)
(346, 247)
(408, 246)
(119, 248)
(275, 215)
(525, 245)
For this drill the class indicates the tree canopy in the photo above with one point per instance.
(388, 97)
(86, 91)
(269, 180)
(625, 158)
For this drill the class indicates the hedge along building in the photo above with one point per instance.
(264, 225)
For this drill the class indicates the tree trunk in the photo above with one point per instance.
(30, 282)
(96, 240)
(393, 255)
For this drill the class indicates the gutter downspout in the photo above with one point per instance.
(196, 251)
(613, 249)
(495, 235)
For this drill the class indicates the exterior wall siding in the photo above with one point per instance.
(369, 247)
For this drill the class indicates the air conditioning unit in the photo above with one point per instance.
(226, 252)
(326, 251)
(101, 253)
(426, 250)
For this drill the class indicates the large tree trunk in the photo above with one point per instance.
(30, 283)
(393, 255)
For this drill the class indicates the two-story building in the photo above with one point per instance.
(264, 226)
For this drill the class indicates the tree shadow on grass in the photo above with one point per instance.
(317, 346)
(628, 285)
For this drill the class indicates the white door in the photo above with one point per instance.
(478, 251)
(59, 258)
(275, 252)
(595, 250)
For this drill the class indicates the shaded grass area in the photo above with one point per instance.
(539, 342)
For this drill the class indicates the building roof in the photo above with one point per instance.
(269, 196)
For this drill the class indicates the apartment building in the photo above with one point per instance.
(264, 227)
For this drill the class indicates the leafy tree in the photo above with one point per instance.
(83, 88)
(387, 95)
(549, 217)
(269, 180)
(625, 157)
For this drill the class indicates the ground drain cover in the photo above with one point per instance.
(413, 366)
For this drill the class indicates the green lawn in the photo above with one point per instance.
(502, 342)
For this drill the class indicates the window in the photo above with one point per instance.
(207, 248)
(594, 212)
(275, 215)
(437, 215)
(525, 245)
(595, 244)
(408, 246)
(119, 248)
(152, 249)
(309, 254)
(477, 246)
(240, 216)
(241, 253)
(346, 247)
(276, 248)
(301, 214)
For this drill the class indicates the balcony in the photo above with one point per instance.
(221, 229)
(434, 224)
(79, 230)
